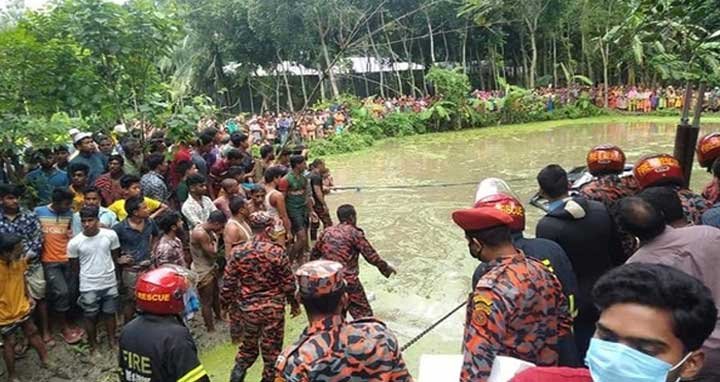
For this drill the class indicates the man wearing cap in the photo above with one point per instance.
(258, 283)
(330, 349)
(517, 308)
(344, 243)
(88, 155)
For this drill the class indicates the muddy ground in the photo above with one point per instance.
(73, 363)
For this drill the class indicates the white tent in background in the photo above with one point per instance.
(353, 64)
(373, 65)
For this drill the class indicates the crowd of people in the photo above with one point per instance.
(142, 237)
(309, 125)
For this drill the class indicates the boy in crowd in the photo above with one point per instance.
(92, 255)
(137, 236)
(55, 222)
(92, 198)
(16, 307)
(78, 181)
(131, 186)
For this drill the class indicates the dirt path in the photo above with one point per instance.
(72, 363)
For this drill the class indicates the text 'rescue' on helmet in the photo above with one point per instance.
(708, 149)
(605, 159)
(494, 192)
(161, 291)
(658, 169)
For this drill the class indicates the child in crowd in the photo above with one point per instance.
(15, 305)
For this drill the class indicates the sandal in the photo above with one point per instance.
(73, 336)
(20, 349)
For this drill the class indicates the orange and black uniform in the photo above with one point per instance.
(517, 309)
(258, 284)
(333, 351)
(159, 349)
(344, 243)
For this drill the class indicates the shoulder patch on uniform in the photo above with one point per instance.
(482, 307)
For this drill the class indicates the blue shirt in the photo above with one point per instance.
(95, 161)
(135, 243)
(552, 206)
(711, 217)
(44, 182)
(27, 225)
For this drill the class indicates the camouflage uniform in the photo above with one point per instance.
(258, 282)
(517, 309)
(693, 205)
(344, 243)
(332, 350)
(608, 189)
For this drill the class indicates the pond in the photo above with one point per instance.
(412, 229)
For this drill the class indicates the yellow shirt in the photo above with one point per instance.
(119, 207)
(14, 303)
(78, 199)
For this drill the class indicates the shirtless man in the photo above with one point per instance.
(203, 249)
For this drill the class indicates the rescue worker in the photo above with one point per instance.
(344, 243)
(708, 150)
(606, 163)
(331, 349)
(494, 192)
(156, 346)
(584, 229)
(665, 170)
(259, 282)
(517, 308)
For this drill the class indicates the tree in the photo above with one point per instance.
(526, 12)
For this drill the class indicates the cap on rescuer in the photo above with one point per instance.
(320, 278)
(478, 219)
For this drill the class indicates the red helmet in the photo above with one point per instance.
(508, 204)
(605, 159)
(708, 149)
(654, 170)
(161, 290)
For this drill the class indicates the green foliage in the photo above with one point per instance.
(451, 84)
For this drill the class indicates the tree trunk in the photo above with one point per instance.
(523, 56)
(277, 94)
(393, 55)
(302, 85)
(326, 55)
(285, 69)
(554, 64)
(408, 58)
(480, 66)
(379, 59)
(252, 101)
(464, 48)
(432, 38)
(447, 50)
(365, 75)
(605, 55)
(533, 59)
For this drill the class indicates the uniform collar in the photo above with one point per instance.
(325, 324)
(507, 259)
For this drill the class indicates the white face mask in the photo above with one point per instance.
(679, 364)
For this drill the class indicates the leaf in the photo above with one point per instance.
(638, 51)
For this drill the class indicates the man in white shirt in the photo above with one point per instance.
(92, 253)
(198, 206)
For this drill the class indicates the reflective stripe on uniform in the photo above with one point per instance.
(194, 374)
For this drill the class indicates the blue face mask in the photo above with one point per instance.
(613, 362)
